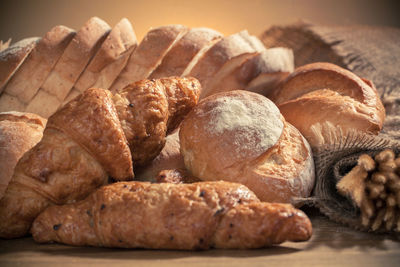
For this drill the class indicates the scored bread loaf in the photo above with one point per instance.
(182, 53)
(241, 136)
(33, 72)
(68, 68)
(13, 56)
(108, 62)
(323, 93)
(229, 51)
(149, 54)
(19, 132)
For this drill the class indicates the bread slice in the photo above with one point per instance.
(222, 80)
(148, 55)
(68, 68)
(269, 69)
(234, 48)
(12, 57)
(33, 72)
(259, 73)
(109, 60)
(178, 58)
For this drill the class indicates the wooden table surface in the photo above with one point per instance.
(331, 245)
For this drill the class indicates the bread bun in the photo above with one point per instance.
(19, 132)
(241, 136)
(323, 93)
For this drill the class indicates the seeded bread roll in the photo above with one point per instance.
(241, 136)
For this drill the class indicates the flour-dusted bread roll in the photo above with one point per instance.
(12, 57)
(25, 83)
(241, 136)
(19, 132)
(320, 94)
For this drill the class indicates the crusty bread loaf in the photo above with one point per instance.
(321, 93)
(109, 61)
(33, 72)
(178, 58)
(241, 136)
(68, 68)
(149, 54)
(12, 57)
(19, 132)
(169, 158)
(229, 52)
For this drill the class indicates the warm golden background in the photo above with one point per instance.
(26, 18)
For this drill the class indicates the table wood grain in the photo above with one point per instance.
(332, 244)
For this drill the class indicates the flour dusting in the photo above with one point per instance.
(253, 122)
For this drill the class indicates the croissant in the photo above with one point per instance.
(94, 136)
(172, 216)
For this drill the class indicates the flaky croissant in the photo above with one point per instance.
(94, 136)
(172, 216)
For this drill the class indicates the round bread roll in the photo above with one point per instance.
(321, 94)
(19, 132)
(241, 136)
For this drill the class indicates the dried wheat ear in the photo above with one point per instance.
(373, 185)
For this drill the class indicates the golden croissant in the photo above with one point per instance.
(94, 136)
(172, 216)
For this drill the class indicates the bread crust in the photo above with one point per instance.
(109, 61)
(278, 172)
(324, 92)
(172, 216)
(72, 62)
(33, 72)
(236, 46)
(13, 56)
(19, 132)
(177, 59)
(148, 55)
